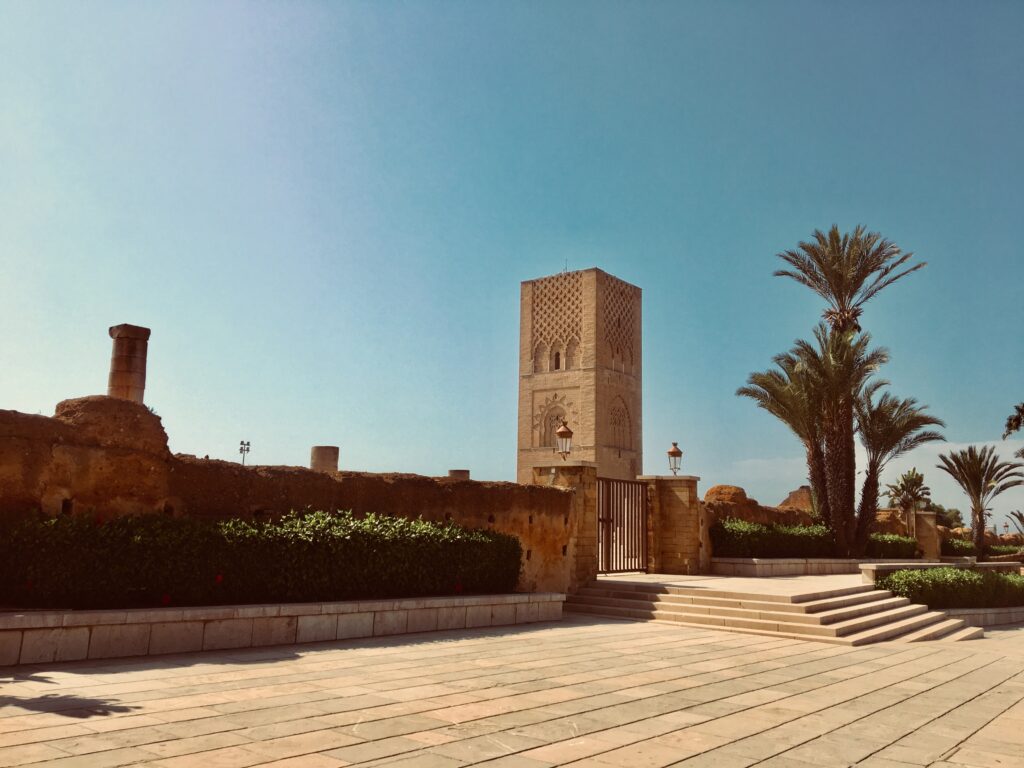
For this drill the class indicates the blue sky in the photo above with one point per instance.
(324, 211)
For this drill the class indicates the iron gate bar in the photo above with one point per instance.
(621, 525)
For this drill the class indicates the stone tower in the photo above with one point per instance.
(580, 359)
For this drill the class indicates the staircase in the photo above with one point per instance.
(855, 615)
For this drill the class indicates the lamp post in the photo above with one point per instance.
(675, 458)
(563, 440)
(243, 448)
(1006, 528)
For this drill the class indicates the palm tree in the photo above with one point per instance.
(888, 428)
(1014, 422)
(982, 476)
(846, 270)
(789, 394)
(907, 492)
(841, 366)
(1018, 520)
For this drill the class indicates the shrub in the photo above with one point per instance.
(956, 548)
(74, 562)
(738, 538)
(956, 588)
(889, 545)
(1003, 549)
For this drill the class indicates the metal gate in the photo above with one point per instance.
(621, 525)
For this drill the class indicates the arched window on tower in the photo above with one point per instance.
(619, 420)
(540, 358)
(572, 351)
(552, 421)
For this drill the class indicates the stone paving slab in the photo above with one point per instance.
(581, 692)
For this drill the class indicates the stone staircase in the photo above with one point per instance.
(854, 615)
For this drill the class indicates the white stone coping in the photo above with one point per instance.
(795, 560)
(40, 637)
(987, 617)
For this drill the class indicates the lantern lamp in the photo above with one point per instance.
(675, 458)
(563, 440)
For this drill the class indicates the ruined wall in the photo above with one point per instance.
(723, 501)
(108, 457)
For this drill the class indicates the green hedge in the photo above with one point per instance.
(963, 548)
(73, 562)
(956, 588)
(738, 538)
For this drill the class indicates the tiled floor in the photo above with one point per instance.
(585, 692)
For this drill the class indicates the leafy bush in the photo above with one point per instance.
(956, 548)
(738, 538)
(74, 562)
(956, 588)
(890, 545)
(1003, 549)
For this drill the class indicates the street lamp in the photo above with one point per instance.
(1006, 528)
(563, 440)
(675, 458)
(243, 448)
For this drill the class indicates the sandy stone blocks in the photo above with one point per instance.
(42, 645)
(503, 614)
(422, 620)
(10, 648)
(227, 633)
(276, 630)
(315, 629)
(451, 617)
(478, 616)
(113, 640)
(390, 623)
(176, 637)
(353, 625)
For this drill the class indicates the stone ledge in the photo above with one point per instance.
(789, 566)
(987, 617)
(37, 637)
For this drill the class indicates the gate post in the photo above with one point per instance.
(580, 477)
(673, 524)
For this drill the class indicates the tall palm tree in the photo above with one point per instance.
(982, 476)
(841, 365)
(907, 492)
(846, 270)
(789, 393)
(889, 427)
(1014, 422)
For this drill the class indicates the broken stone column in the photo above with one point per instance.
(458, 474)
(324, 458)
(128, 362)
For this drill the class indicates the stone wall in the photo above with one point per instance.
(108, 457)
(674, 525)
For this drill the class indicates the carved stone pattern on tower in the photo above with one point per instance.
(619, 317)
(558, 309)
(548, 417)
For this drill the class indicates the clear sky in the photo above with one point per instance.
(324, 211)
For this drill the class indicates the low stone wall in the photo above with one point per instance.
(987, 617)
(792, 566)
(38, 637)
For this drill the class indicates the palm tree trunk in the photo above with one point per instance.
(841, 469)
(867, 513)
(819, 486)
(978, 530)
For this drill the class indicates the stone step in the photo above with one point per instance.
(748, 602)
(895, 629)
(967, 633)
(749, 610)
(625, 586)
(882, 618)
(937, 631)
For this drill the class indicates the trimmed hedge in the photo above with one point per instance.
(956, 588)
(738, 538)
(74, 562)
(953, 547)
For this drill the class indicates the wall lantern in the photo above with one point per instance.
(563, 440)
(675, 458)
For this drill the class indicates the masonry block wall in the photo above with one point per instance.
(674, 525)
(580, 479)
(106, 457)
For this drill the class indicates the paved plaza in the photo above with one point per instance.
(585, 691)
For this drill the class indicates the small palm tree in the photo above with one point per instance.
(1018, 521)
(889, 427)
(846, 270)
(907, 492)
(982, 476)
